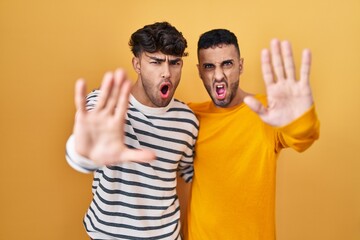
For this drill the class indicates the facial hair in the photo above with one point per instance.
(223, 103)
(152, 92)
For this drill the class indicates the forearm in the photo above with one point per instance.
(183, 191)
(302, 132)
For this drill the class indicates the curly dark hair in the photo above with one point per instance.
(217, 37)
(160, 36)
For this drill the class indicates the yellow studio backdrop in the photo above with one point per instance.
(46, 45)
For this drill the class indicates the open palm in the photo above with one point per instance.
(99, 133)
(287, 98)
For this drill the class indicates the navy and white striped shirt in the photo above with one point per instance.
(138, 200)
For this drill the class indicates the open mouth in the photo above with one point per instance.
(220, 90)
(165, 90)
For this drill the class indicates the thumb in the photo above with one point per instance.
(255, 105)
(137, 155)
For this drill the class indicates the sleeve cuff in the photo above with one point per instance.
(76, 161)
(302, 126)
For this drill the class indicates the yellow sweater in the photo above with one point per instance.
(233, 191)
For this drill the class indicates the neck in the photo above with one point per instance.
(239, 98)
(138, 93)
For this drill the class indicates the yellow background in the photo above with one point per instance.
(46, 45)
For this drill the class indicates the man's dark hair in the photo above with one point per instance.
(160, 36)
(217, 37)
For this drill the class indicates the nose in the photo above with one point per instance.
(218, 74)
(166, 71)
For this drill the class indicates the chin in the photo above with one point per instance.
(163, 102)
(220, 103)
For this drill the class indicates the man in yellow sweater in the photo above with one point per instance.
(241, 136)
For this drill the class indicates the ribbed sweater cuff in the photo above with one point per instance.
(76, 161)
(303, 126)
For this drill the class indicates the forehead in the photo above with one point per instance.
(159, 55)
(218, 54)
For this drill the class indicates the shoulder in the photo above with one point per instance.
(196, 107)
(182, 111)
(181, 106)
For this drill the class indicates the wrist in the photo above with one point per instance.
(77, 161)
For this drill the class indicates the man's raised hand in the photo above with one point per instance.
(99, 133)
(287, 98)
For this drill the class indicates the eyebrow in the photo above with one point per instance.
(228, 60)
(157, 59)
(164, 59)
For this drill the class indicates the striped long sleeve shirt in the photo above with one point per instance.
(138, 200)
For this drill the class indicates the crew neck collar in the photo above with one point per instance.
(149, 110)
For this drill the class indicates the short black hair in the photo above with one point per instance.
(160, 36)
(217, 37)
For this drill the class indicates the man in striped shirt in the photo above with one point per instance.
(136, 140)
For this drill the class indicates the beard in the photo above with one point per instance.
(153, 94)
(230, 95)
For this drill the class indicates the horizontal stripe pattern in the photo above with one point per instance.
(138, 200)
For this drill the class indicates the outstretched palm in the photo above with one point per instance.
(287, 98)
(99, 133)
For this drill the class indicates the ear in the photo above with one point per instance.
(241, 65)
(136, 64)
(198, 67)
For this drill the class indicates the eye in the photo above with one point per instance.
(208, 66)
(175, 63)
(227, 64)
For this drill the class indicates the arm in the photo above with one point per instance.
(183, 190)
(289, 101)
(301, 133)
(98, 136)
(184, 179)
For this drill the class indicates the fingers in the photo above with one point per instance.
(288, 60)
(276, 59)
(282, 62)
(266, 67)
(80, 94)
(112, 90)
(119, 78)
(113, 98)
(255, 105)
(305, 66)
(141, 155)
(123, 99)
(106, 88)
